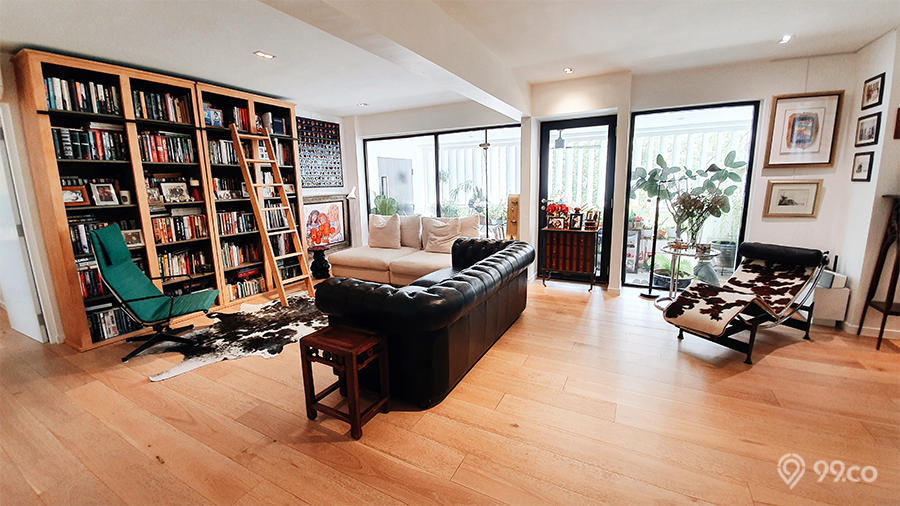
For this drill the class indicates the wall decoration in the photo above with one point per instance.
(862, 166)
(556, 222)
(803, 130)
(867, 128)
(104, 194)
(320, 154)
(792, 198)
(327, 221)
(873, 91)
(75, 196)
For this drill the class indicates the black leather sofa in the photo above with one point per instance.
(439, 326)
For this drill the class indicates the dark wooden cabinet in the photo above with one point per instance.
(570, 252)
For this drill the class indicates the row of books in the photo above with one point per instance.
(276, 218)
(80, 232)
(274, 124)
(90, 143)
(240, 116)
(221, 152)
(161, 106)
(70, 95)
(235, 222)
(81, 181)
(89, 277)
(167, 147)
(248, 282)
(289, 268)
(106, 322)
(283, 156)
(235, 255)
(183, 263)
(179, 228)
(226, 188)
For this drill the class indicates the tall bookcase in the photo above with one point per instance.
(143, 150)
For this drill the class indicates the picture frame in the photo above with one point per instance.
(556, 222)
(175, 192)
(153, 196)
(576, 220)
(133, 237)
(873, 92)
(792, 198)
(337, 210)
(104, 194)
(867, 128)
(862, 166)
(803, 130)
(75, 196)
(591, 220)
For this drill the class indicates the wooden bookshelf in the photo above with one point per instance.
(139, 104)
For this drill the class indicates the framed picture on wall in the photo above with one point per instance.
(803, 130)
(862, 166)
(867, 128)
(873, 91)
(792, 198)
(327, 221)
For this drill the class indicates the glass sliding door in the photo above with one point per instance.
(578, 169)
(401, 176)
(688, 141)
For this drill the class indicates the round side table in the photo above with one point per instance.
(320, 267)
(664, 301)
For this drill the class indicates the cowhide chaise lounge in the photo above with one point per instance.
(439, 326)
(771, 285)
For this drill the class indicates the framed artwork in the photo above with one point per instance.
(75, 196)
(575, 221)
(153, 195)
(867, 130)
(873, 91)
(591, 220)
(792, 198)
(556, 222)
(175, 192)
(862, 166)
(803, 130)
(104, 194)
(327, 222)
(133, 237)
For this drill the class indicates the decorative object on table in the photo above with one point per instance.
(320, 268)
(153, 196)
(320, 153)
(557, 215)
(556, 222)
(862, 166)
(803, 130)
(262, 330)
(195, 189)
(873, 91)
(133, 237)
(75, 196)
(175, 192)
(125, 197)
(867, 128)
(591, 220)
(326, 218)
(702, 249)
(104, 194)
(792, 198)
(576, 219)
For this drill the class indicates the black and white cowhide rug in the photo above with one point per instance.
(254, 330)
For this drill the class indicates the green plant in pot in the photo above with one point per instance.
(691, 196)
(385, 205)
(662, 272)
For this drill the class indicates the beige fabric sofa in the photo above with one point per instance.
(415, 252)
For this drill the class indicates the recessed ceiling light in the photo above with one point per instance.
(362, 104)
(568, 70)
(264, 55)
(785, 39)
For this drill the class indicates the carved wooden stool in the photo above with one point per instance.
(347, 351)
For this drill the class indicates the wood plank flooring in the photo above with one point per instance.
(587, 399)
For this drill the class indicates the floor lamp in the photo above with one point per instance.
(649, 294)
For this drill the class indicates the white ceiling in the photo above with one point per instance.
(401, 54)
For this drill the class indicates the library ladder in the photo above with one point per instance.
(289, 227)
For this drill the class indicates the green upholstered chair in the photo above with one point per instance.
(139, 296)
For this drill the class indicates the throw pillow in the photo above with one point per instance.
(438, 235)
(410, 231)
(468, 226)
(384, 231)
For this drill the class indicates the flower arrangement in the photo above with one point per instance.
(557, 209)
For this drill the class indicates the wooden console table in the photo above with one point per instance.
(570, 252)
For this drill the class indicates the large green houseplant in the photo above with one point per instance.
(691, 196)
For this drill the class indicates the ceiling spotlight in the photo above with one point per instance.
(362, 104)
(785, 39)
(264, 55)
(568, 70)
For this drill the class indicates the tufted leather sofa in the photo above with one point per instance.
(439, 326)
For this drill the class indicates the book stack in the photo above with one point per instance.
(167, 147)
(283, 155)
(222, 152)
(106, 321)
(80, 227)
(70, 95)
(96, 141)
(248, 282)
(185, 224)
(275, 125)
(89, 277)
(182, 263)
(235, 222)
(235, 255)
(240, 117)
(161, 106)
(289, 268)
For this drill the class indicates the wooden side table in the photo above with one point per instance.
(347, 351)
(570, 252)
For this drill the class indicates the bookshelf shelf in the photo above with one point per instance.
(159, 127)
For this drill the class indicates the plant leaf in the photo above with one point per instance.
(734, 176)
(731, 189)
(729, 158)
(661, 161)
(639, 172)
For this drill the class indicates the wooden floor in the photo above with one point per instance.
(588, 399)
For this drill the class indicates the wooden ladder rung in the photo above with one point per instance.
(289, 255)
(260, 185)
(297, 278)
(258, 160)
(279, 232)
(252, 136)
(274, 208)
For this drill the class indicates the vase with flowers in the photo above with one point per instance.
(557, 213)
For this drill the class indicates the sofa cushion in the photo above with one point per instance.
(411, 231)
(365, 257)
(438, 235)
(417, 265)
(384, 231)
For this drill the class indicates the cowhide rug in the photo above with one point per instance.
(254, 330)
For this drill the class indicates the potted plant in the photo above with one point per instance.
(386, 206)
(662, 273)
(691, 196)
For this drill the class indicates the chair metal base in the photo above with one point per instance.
(163, 334)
